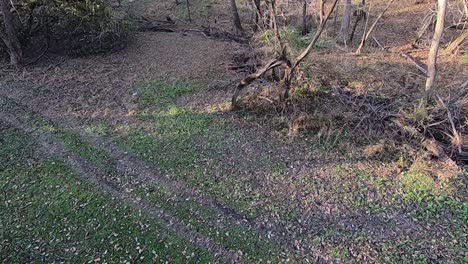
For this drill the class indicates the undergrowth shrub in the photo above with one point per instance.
(75, 27)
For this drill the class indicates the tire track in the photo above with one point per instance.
(128, 164)
(50, 146)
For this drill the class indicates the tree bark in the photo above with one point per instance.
(344, 31)
(235, 15)
(322, 10)
(258, 14)
(432, 58)
(10, 36)
(304, 17)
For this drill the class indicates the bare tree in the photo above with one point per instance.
(344, 31)
(432, 58)
(235, 15)
(10, 35)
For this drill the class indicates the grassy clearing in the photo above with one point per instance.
(167, 138)
(48, 215)
(234, 237)
(167, 135)
(71, 139)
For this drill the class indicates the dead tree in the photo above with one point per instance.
(283, 63)
(235, 15)
(10, 35)
(432, 58)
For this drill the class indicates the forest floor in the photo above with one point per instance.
(135, 156)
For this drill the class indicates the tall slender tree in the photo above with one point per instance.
(345, 22)
(432, 58)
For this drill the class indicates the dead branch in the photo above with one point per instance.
(419, 65)
(454, 45)
(315, 39)
(378, 43)
(456, 135)
(366, 35)
(432, 57)
(252, 77)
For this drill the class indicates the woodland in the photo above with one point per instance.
(235, 131)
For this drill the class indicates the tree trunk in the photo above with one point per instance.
(235, 15)
(10, 36)
(189, 16)
(304, 17)
(322, 10)
(258, 14)
(344, 31)
(432, 58)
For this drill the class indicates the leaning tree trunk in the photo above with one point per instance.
(432, 58)
(344, 31)
(235, 15)
(10, 36)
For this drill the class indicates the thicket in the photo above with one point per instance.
(75, 27)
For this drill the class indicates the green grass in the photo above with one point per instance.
(84, 149)
(71, 139)
(48, 214)
(298, 42)
(464, 58)
(234, 237)
(167, 138)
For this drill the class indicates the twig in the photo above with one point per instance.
(419, 65)
(378, 43)
(266, 98)
(456, 135)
